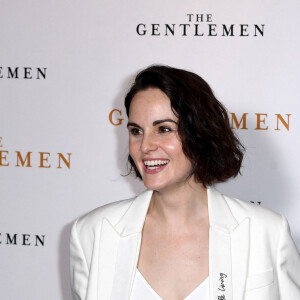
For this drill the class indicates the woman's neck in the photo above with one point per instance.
(179, 205)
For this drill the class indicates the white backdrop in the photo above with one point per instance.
(87, 52)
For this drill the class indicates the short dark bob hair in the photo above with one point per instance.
(207, 140)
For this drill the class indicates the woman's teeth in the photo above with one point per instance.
(155, 164)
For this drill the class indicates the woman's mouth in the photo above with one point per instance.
(155, 165)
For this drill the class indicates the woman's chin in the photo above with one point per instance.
(153, 185)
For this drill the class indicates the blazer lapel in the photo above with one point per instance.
(240, 258)
(108, 249)
(119, 251)
(127, 258)
(229, 250)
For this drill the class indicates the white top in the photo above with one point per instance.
(142, 290)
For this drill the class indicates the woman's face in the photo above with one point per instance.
(154, 144)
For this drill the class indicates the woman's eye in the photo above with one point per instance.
(135, 131)
(164, 129)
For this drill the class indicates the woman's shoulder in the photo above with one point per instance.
(260, 216)
(111, 211)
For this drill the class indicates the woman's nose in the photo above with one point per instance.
(149, 143)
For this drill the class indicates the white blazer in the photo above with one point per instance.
(251, 253)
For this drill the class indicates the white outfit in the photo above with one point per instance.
(141, 289)
(251, 253)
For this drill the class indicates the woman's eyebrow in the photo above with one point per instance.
(133, 124)
(163, 121)
(154, 123)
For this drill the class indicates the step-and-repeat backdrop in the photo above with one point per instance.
(64, 69)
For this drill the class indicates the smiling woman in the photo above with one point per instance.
(181, 238)
(199, 120)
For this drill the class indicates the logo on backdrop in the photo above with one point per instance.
(258, 121)
(29, 159)
(22, 73)
(23, 239)
(200, 25)
(115, 117)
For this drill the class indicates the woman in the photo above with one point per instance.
(181, 239)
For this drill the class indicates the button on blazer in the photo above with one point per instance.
(251, 253)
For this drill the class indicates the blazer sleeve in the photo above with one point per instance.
(288, 265)
(78, 267)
